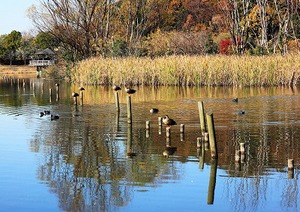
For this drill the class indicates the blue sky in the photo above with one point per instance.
(13, 15)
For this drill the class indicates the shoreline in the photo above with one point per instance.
(17, 70)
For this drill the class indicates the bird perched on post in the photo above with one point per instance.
(154, 110)
(129, 90)
(116, 88)
(168, 121)
(81, 88)
(75, 94)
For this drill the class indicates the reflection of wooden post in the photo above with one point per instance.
(50, 94)
(201, 116)
(212, 136)
(206, 141)
(201, 150)
(117, 101)
(130, 152)
(242, 150)
(129, 115)
(57, 92)
(290, 168)
(212, 182)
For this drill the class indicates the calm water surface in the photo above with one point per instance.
(79, 162)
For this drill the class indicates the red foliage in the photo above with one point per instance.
(224, 46)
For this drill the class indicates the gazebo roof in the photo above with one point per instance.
(45, 52)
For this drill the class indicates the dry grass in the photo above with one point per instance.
(190, 71)
(17, 70)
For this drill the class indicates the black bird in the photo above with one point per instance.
(168, 121)
(116, 88)
(75, 94)
(81, 88)
(46, 112)
(154, 110)
(42, 114)
(235, 100)
(54, 117)
(129, 90)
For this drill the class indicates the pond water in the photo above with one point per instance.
(80, 162)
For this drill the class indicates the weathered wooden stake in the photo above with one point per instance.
(201, 116)
(147, 125)
(181, 128)
(199, 142)
(237, 156)
(159, 121)
(212, 136)
(81, 97)
(129, 115)
(201, 158)
(159, 130)
(117, 101)
(168, 132)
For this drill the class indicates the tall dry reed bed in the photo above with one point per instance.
(190, 71)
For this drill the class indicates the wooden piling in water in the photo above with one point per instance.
(129, 115)
(201, 116)
(182, 128)
(199, 142)
(117, 101)
(242, 151)
(159, 121)
(81, 97)
(147, 125)
(168, 132)
(212, 136)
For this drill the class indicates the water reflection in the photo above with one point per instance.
(93, 160)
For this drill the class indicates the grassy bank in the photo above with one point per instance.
(190, 71)
(6, 70)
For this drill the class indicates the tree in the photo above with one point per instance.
(11, 43)
(81, 26)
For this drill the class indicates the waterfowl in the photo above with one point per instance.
(154, 110)
(42, 114)
(235, 100)
(75, 94)
(54, 117)
(170, 150)
(168, 121)
(129, 90)
(46, 112)
(116, 88)
(242, 112)
(57, 84)
(81, 88)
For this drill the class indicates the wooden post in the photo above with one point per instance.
(199, 142)
(147, 125)
(201, 116)
(75, 100)
(168, 132)
(81, 97)
(129, 115)
(117, 101)
(159, 121)
(181, 128)
(202, 157)
(212, 136)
